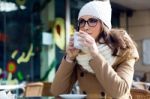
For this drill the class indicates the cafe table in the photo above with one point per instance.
(41, 97)
(47, 98)
(58, 97)
(12, 87)
(62, 96)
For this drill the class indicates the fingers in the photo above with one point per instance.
(86, 36)
(86, 39)
(71, 44)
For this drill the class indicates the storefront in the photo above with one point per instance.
(34, 35)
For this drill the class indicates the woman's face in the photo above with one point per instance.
(90, 25)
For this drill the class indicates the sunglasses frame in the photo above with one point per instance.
(88, 22)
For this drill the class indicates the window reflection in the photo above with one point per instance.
(20, 41)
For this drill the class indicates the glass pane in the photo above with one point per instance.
(20, 40)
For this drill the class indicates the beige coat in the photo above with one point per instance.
(108, 81)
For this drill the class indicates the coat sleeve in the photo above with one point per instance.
(64, 79)
(115, 83)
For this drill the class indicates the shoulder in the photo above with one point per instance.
(130, 47)
(132, 50)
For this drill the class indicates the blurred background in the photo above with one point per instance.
(34, 35)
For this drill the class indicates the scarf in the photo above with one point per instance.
(104, 50)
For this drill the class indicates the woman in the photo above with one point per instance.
(104, 66)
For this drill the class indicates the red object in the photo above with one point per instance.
(11, 67)
(58, 29)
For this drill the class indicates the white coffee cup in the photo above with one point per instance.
(78, 45)
(76, 41)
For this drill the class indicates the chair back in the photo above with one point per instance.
(35, 89)
(140, 93)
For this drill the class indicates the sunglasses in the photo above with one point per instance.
(92, 22)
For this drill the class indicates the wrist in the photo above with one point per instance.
(68, 59)
(94, 54)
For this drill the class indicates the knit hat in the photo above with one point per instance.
(98, 9)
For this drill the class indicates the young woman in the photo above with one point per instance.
(104, 66)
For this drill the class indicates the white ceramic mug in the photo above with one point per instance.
(76, 41)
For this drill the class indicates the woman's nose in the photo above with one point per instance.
(86, 26)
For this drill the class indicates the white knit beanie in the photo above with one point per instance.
(98, 9)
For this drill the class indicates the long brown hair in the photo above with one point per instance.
(116, 39)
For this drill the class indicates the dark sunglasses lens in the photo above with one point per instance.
(92, 22)
(82, 22)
